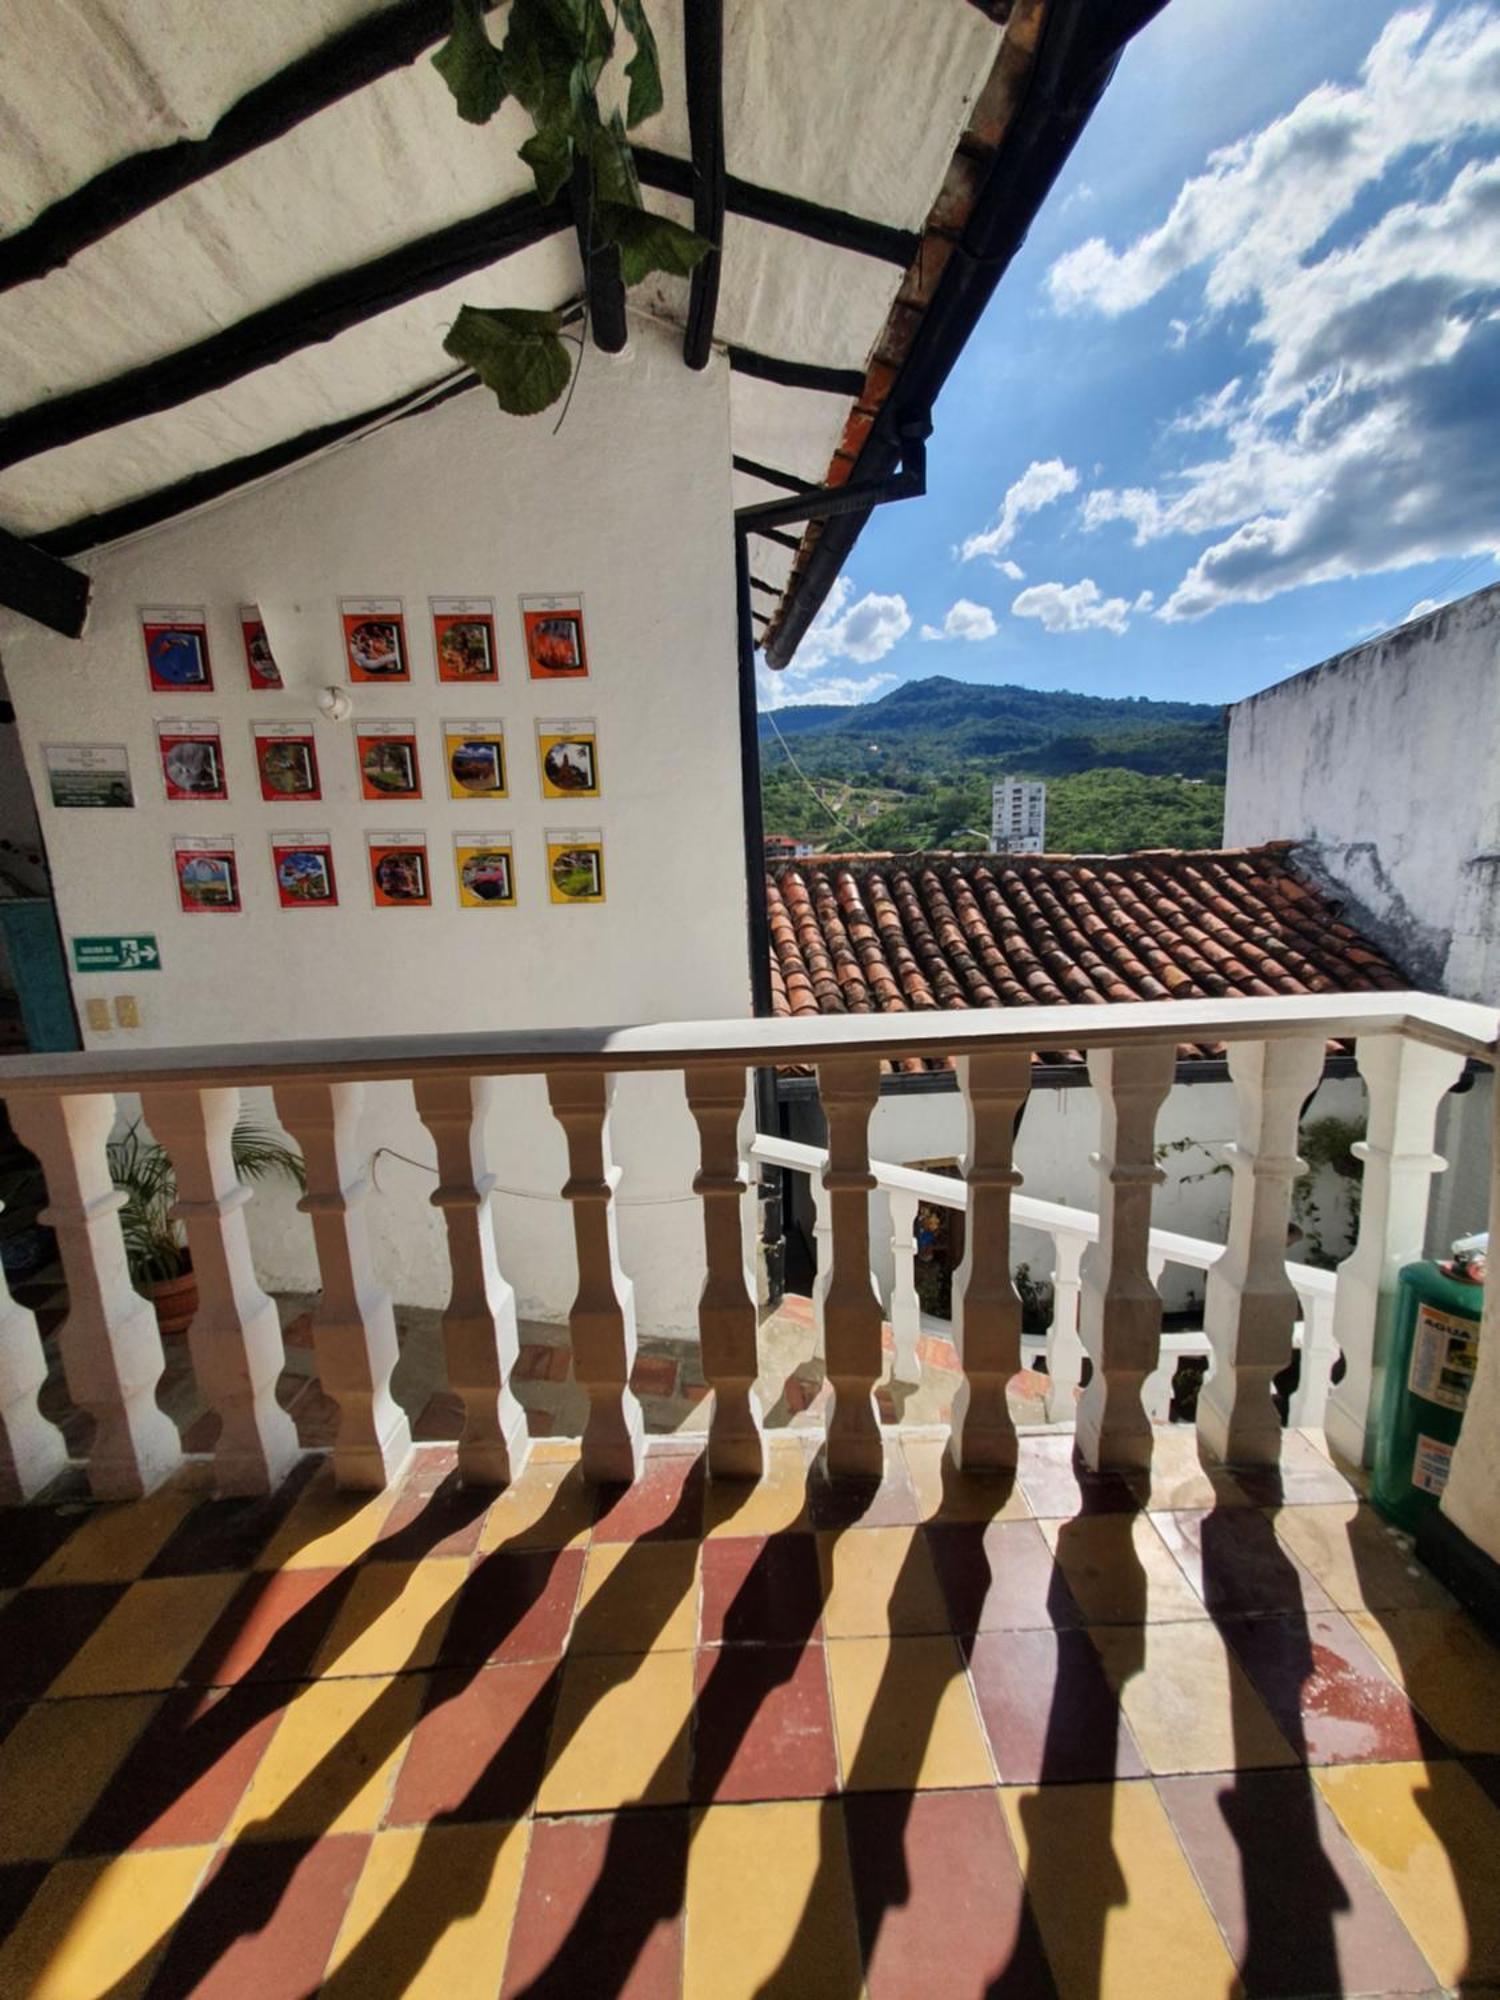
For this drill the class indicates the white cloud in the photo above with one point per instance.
(1073, 607)
(965, 620)
(865, 631)
(1368, 439)
(1043, 481)
(1177, 333)
(1008, 568)
(1421, 608)
(839, 690)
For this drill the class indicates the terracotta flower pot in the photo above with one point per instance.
(176, 1301)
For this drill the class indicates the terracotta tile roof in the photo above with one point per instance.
(877, 933)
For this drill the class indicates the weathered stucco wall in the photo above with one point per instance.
(1385, 763)
(629, 506)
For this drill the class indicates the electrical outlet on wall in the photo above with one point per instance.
(96, 1013)
(127, 1012)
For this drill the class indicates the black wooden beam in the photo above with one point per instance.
(785, 374)
(167, 502)
(834, 226)
(770, 589)
(40, 586)
(775, 535)
(703, 57)
(317, 313)
(788, 481)
(604, 284)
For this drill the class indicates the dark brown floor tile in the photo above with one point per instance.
(1304, 1478)
(763, 1725)
(1485, 1771)
(1326, 1690)
(1058, 1484)
(1001, 1578)
(664, 1504)
(936, 1885)
(890, 1502)
(264, 1921)
(41, 1630)
(477, 1750)
(761, 1590)
(1234, 1561)
(513, 1607)
(19, 1882)
(441, 1419)
(28, 1535)
(1298, 1908)
(1048, 1709)
(229, 1534)
(188, 1771)
(601, 1909)
(272, 1628)
(434, 1515)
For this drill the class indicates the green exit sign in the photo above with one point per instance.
(116, 954)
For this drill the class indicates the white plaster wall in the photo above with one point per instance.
(629, 505)
(1386, 760)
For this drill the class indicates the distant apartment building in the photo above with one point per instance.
(1018, 816)
(782, 847)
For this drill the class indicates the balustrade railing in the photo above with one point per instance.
(1410, 1049)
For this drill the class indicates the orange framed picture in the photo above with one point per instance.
(399, 875)
(388, 764)
(375, 639)
(463, 640)
(555, 649)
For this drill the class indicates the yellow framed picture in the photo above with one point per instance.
(474, 759)
(567, 753)
(484, 864)
(575, 865)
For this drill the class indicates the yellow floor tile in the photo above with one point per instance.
(1120, 1570)
(1448, 1668)
(1178, 1477)
(54, 1764)
(328, 1529)
(620, 1735)
(1120, 1913)
(549, 1507)
(114, 1544)
(394, 1617)
(770, 1908)
(1358, 1561)
(879, 1580)
(431, 1915)
(944, 1493)
(768, 1506)
(1431, 1839)
(149, 1636)
(1187, 1700)
(98, 1927)
(905, 1715)
(637, 1597)
(331, 1763)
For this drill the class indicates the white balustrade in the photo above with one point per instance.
(1156, 1390)
(986, 1304)
(110, 1343)
(32, 1452)
(852, 1317)
(354, 1326)
(1065, 1356)
(727, 1316)
(904, 1310)
(235, 1337)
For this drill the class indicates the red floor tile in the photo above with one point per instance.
(441, 1419)
(272, 1627)
(1001, 1578)
(1327, 1691)
(601, 1909)
(1297, 1906)
(654, 1375)
(513, 1607)
(1048, 1709)
(763, 1726)
(477, 1750)
(41, 1630)
(1234, 1561)
(186, 1773)
(664, 1504)
(1303, 1478)
(761, 1590)
(265, 1921)
(539, 1361)
(855, 1503)
(1058, 1485)
(433, 1514)
(229, 1534)
(936, 1885)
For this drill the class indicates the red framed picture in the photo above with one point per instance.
(260, 662)
(176, 642)
(286, 757)
(303, 866)
(192, 761)
(208, 876)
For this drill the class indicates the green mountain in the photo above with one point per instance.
(914, 768)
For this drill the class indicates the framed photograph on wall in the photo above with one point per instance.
(303, 866)
(286, 758)
(575, 864)
(388, 764)
(474, 756)
(484, 864)
(208, 876)
(88, 774)
(555, 650)
(176, 640)
(375, 638)
(399, 877)
(567, 752)
(192, 760)
(463, 639)
(260, 664)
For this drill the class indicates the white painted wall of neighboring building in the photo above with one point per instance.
(630, 505)
(1385, 762)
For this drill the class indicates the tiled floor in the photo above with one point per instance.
(1076, 1735)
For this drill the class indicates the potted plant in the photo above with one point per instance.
(161, 1265)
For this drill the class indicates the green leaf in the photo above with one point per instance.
(648, 242)
(470, 65)
(644, 67)
(549, 154)
(613, 164)
(535, 64)
(515, 353)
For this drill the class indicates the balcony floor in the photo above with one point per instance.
(1068, 1735)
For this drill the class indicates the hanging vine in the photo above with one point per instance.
(551, 61)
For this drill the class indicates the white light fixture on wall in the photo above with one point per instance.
(334, 702)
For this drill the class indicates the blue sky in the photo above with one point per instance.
(1236, 405)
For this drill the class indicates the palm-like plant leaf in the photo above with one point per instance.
(143, 1172)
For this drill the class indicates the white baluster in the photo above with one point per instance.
(1156, 1390)
(1120, 1315)
(602, 1319)
(354, 1328)
(1064, 1347)
(1406, 1081)
(110, 1344)
(480, 1337)
(1309, 1400)
(727, 1318)
(822, 1259)
(850, 1088)
(235, 1338)
(32, 1451)
(986, 1304)
(906, 1308)
(1249, 1305)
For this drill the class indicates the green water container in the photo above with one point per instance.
(1430, 1369)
